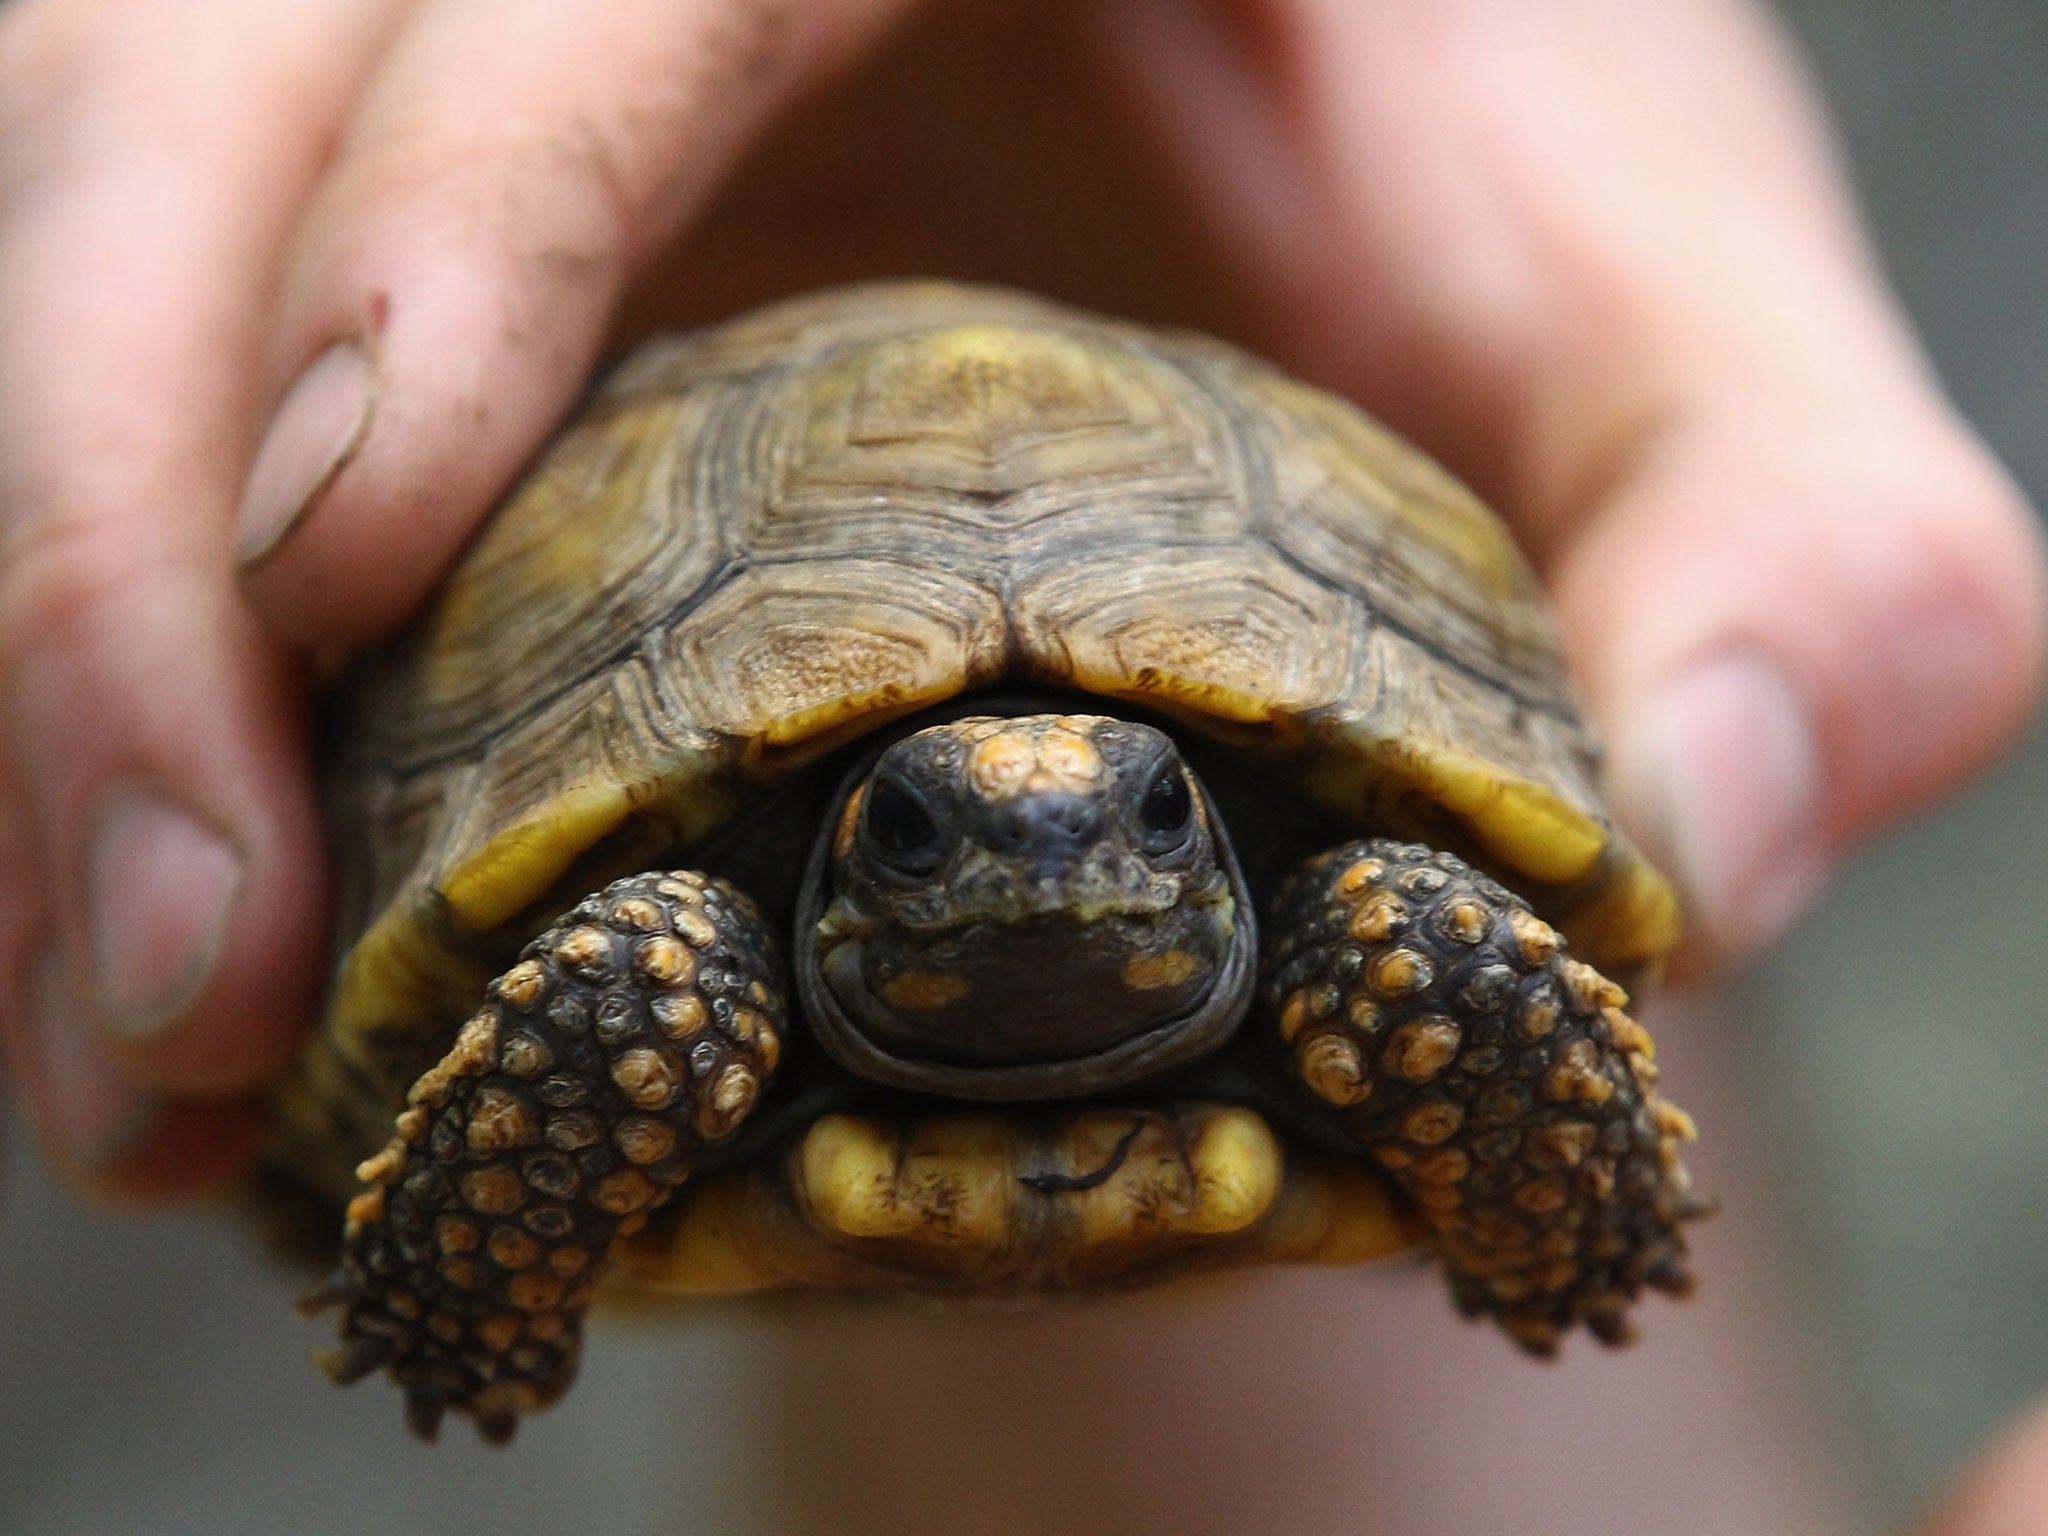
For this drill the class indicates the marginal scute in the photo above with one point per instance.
(788, 661)
(1230, 634)
(527, 857)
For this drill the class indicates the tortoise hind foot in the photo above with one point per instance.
(1442, 1026)
(631, 1035)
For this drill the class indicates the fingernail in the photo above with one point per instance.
(1720, 776)
(319, 424)
(88, 1111)
(160, 887)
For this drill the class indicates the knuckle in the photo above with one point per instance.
(58, 576)
(1968, 535)
(1995, 520)
(561, 198)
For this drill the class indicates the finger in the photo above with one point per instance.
(2006, 1493)
(162, 878)
(507, 172)
(1597, 257)
(103, 1134)
(1800, 629)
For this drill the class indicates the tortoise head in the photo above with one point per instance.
(1024, 907)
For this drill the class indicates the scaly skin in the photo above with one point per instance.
(1496, 1080)
(632, 1035)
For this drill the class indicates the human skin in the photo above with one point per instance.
(2006, 1492)
(289, 292)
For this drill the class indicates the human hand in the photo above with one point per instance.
(395, 230)
(1597, 258)
(2006, 1493)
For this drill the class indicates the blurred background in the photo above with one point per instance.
(1871, 1096)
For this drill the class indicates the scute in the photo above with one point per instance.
(1230, 633)
(762, 540)
(788, 658)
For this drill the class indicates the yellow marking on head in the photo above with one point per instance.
(924, 989)
(1070, 759)
(1237, 1166)
(1001, 763)
(1034, 755)
(849, 823)
(1146, 973)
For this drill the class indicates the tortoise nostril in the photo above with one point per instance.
(1046, 826)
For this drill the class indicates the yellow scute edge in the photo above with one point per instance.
(390, 975)
(1634, 923)
(1524, 825)
(520, 862)
(1185, 693)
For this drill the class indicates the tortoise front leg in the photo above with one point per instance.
(632, 1035)
(1435, 1019)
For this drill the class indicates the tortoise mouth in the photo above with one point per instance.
(841, 1186)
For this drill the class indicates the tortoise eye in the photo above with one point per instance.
(1167, 809)
(900, 830)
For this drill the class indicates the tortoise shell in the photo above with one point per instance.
(756, 543)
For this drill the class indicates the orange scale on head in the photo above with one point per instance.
(1001, 764)
(1068, 761)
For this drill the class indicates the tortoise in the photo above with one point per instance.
(925, 789)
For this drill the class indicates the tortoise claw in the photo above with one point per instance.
(424, 1406)
(350, 1362)
(1611, 1328)
(337, 1290)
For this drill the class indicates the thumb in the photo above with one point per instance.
(2006, 1493)
(1796, 631)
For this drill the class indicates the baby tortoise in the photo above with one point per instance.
(1065, 806)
